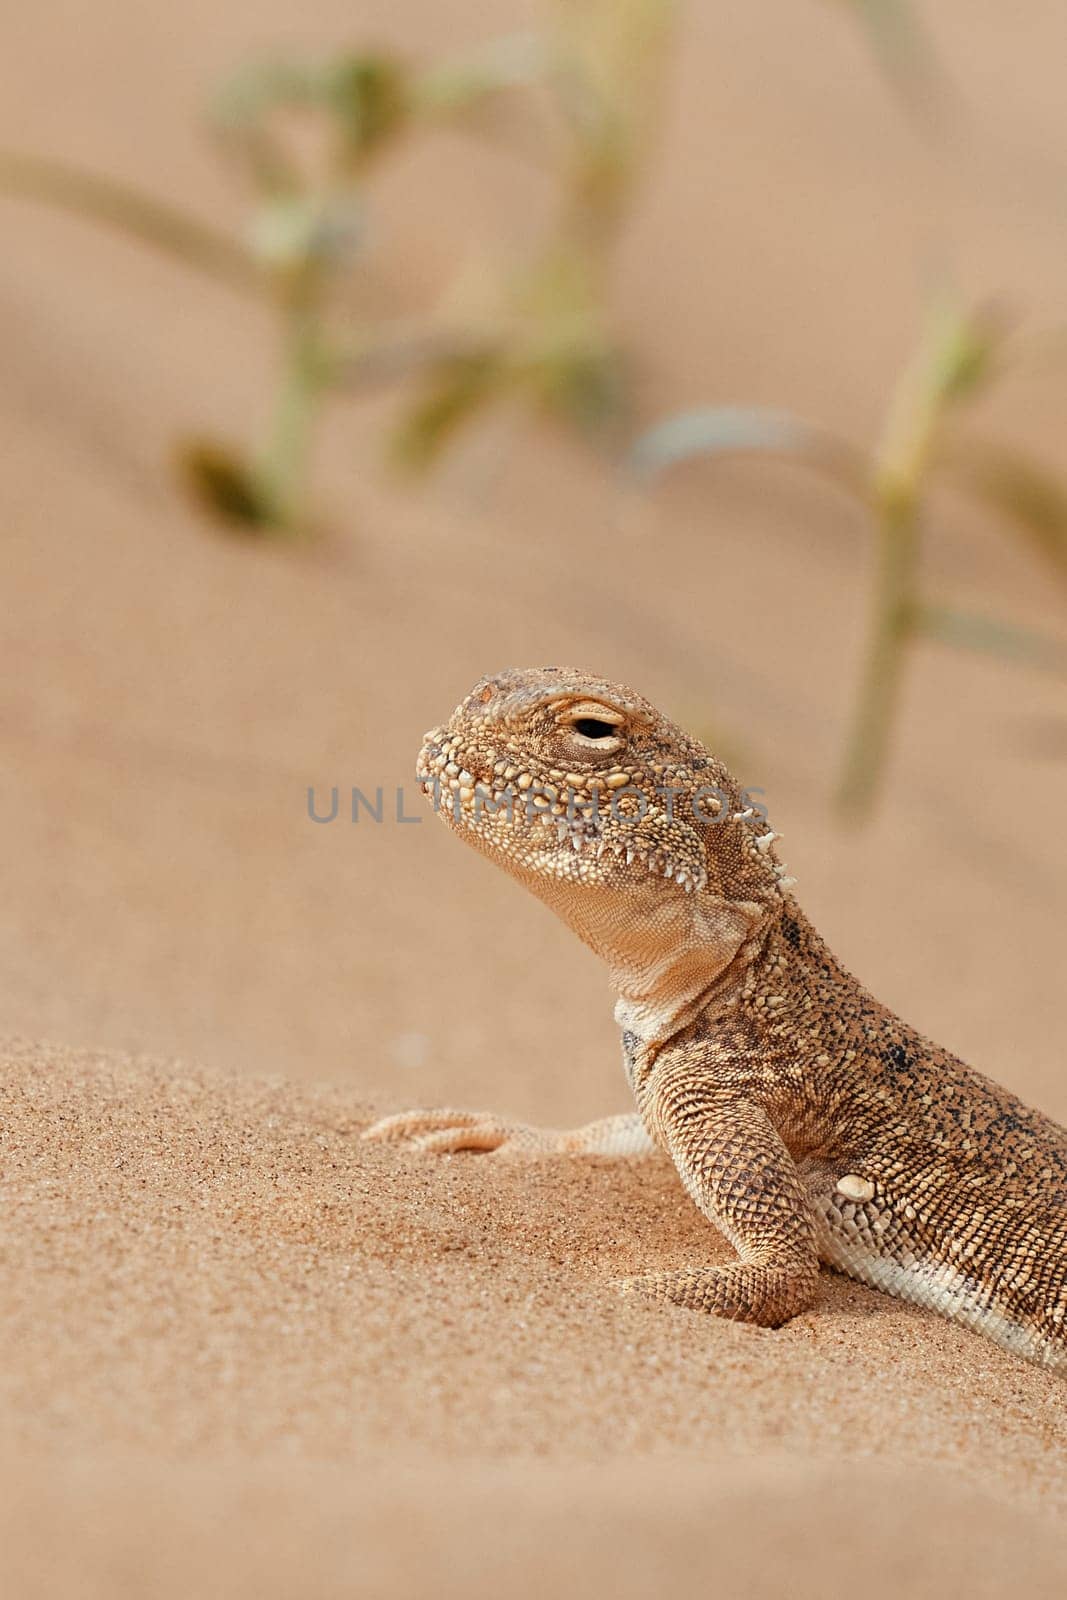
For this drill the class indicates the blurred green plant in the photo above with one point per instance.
(550, 342)
(581, 98)
(960, 354)
(305, 138)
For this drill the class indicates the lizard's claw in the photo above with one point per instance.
(444, 1132)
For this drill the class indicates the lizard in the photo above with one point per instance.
(808, 1123)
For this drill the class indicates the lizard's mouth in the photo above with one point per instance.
(446, 779)
(463, 792)
(575, 833)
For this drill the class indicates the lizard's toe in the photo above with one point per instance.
(480, 1136)
(444, 1132)
(411, 1127)
(739, 1292)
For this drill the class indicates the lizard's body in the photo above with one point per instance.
(805, 1119)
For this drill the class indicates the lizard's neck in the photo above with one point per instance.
(672, 956)
(676, 964)
(777, 954)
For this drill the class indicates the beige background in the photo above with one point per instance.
(168, 696)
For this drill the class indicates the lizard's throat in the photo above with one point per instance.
(669, 953)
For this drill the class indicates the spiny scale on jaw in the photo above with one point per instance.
(503, 773)
(763, 843)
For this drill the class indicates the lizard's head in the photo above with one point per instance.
(586, 794)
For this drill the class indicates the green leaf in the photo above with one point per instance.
(455, 391)
(224, 485)
(1031, 498)
(737, 430)
(990, 636)
(370, 96)
(581, 384)
(367, 96)
(963, 347)
(957, 353)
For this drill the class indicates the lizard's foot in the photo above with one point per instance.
(444, 1132)
(742, 1292)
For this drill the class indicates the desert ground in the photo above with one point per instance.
(242, 1353)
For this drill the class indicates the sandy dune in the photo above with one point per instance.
(245, 1353)
(242, 1354)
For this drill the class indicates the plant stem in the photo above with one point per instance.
(195, 244)
(952, 359)
(284, 464)
(893, 625)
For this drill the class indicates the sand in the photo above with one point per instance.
(241, 1353)
(245, 1353)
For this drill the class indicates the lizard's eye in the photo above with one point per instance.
(593, 728)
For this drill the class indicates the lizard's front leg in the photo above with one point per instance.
(447, 1131)
(736, 1168)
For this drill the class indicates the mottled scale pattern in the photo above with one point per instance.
(805, 1119)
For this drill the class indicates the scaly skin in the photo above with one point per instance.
(806, 1121)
